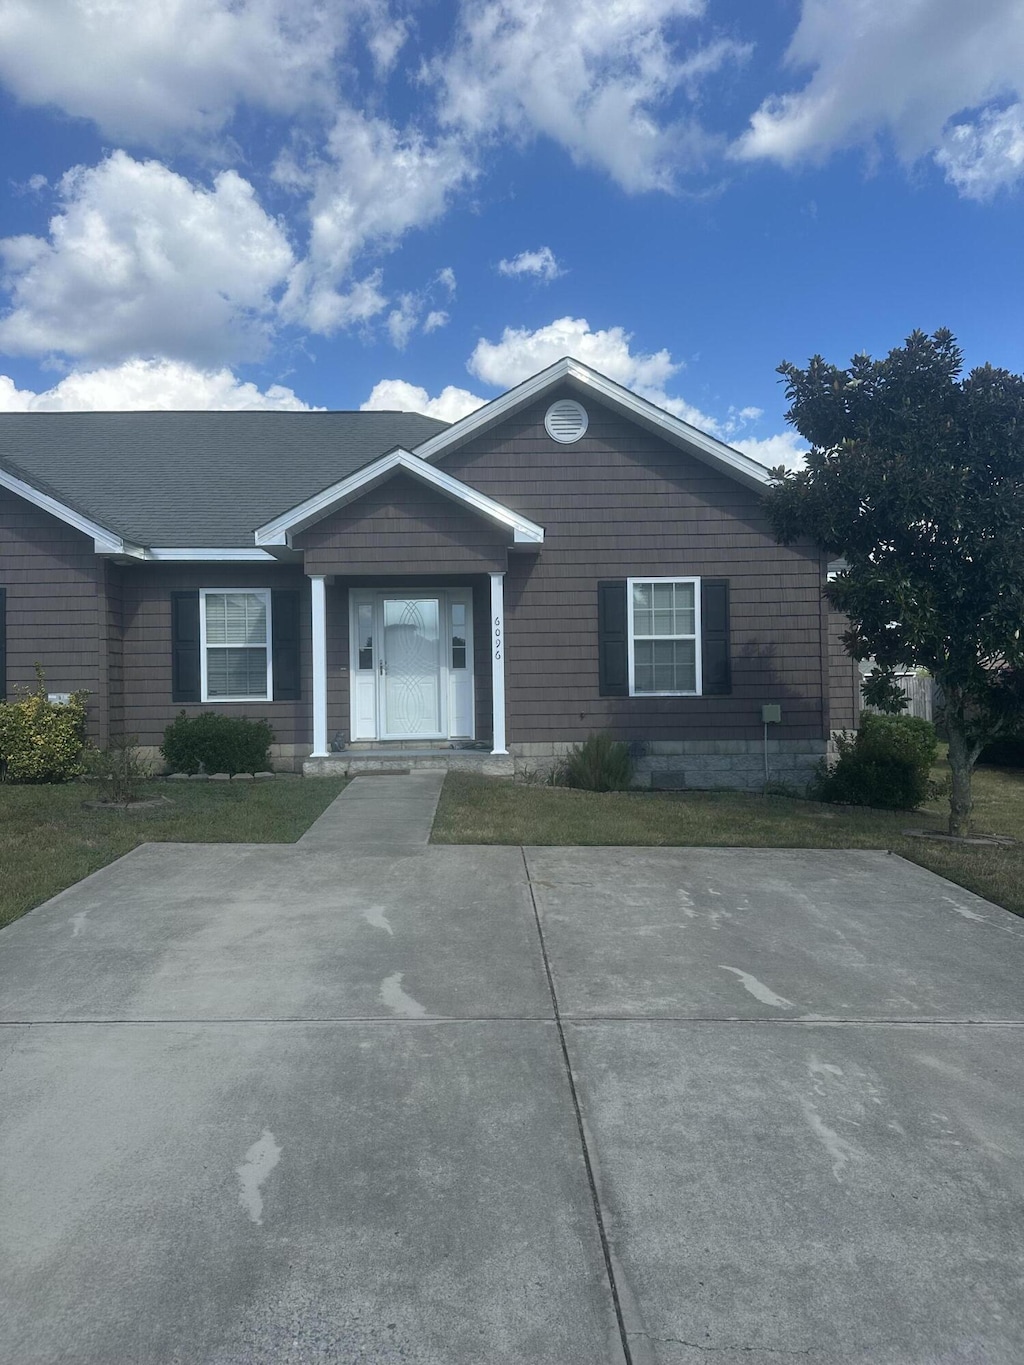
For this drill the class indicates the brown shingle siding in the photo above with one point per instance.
(55, 612)
(623, 503)
(146, 667)
(403, 527)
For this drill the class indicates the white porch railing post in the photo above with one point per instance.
(318, 585)
(498, 661)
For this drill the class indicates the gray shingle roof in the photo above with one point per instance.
(196, 479)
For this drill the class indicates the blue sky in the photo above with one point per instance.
(287, 203)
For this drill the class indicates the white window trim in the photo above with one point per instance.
(630, 639)
(266, 594)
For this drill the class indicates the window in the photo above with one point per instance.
(458, 610)
(663, 636)
(235, 636)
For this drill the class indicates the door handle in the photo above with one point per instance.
(383, 667)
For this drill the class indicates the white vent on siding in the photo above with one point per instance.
(566, 421)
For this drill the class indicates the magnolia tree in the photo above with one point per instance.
(915, 479)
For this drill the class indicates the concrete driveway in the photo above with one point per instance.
(365, 1100)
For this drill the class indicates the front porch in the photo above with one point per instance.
(402, 758)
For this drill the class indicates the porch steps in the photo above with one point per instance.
(351, 762)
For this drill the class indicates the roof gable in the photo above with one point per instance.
(581, 380)
(280, 531)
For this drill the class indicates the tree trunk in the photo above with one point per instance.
(961, 760)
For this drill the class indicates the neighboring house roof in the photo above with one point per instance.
(195, 478)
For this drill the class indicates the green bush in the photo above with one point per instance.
(217, 744)
(599, 764)
(41, 740)
(885, 764)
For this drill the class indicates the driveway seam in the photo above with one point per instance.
(602, 1231)
(576, 1019)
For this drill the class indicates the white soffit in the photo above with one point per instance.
(281, 530)
(584, 380)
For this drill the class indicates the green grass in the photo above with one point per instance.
(480, 810)
(49, 838)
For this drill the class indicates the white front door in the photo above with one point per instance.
(411, 664)
(411, 704)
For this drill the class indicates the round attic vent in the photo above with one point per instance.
(566, 421)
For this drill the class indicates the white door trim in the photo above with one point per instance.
(498, 660)
(367, 685)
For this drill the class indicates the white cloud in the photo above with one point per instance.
(540, 263)
(446, 278)
(402, 321)
(373, 185)
(167, 68)
(987, 155)
(141, 261)
(436, 318)
(598, 78)
(398, 395)
(149, 384)
(521, 353)
(906, 70)
(786, 448)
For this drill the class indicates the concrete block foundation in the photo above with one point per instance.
(695, 764)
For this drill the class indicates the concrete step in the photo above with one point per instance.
(351, 762)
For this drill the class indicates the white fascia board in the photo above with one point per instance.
(494, 411)
(105, 542)
(673, 429)
(217, 556)
(281, 529)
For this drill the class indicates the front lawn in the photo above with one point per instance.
(481, 810)
(49, 838)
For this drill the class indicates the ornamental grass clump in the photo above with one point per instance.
(599, 764)
(42, 740)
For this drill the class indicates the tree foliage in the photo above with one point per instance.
(916, 480)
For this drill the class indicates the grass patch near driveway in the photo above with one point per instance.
(482, 810)
(50, 839)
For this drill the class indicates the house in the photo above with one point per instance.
(567, 559)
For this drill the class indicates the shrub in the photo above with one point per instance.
(599, 764)
(119, 770)
(217, 744)
(42, 740)
(885, 764)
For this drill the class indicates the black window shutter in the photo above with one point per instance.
(714, 628)
(184, 646)
(3, 644)
(287, 674)
(613, 666)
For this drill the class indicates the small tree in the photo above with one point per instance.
(916, 478)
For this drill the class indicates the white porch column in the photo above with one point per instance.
(498, 661)
(318, 584)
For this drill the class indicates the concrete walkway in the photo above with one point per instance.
(364, 1099)
(386, 816)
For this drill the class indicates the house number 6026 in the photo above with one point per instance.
(497, 637)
